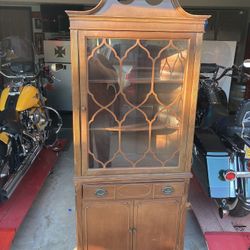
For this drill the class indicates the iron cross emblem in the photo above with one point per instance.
(60, 51)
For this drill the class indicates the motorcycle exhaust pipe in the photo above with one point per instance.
(13, 182)
(4, 171)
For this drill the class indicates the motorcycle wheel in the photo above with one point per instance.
(54, 127)
(241, 209)
(51, 138)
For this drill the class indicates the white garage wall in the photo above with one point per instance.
(222, 53)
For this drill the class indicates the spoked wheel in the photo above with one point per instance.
(51, 137)
(53, 128)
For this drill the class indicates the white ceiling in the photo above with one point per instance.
(31, 2)
(202, 3)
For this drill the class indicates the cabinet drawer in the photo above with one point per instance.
(168, 189)
(134, 191)
(92, 192)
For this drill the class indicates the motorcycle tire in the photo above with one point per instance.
(51, 139)
(241, 209)
(3, 150)
(2, 197)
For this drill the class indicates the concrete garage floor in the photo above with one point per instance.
(50, 224)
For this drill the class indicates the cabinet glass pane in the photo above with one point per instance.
(135, 102)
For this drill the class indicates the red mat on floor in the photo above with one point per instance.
(14, 210)
(6, 238)
(228, 241)
(220, 234)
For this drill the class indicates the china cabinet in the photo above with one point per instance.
(135, 68)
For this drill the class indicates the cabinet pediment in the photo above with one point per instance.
(140, 10)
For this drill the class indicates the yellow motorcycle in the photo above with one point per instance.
(26, 123)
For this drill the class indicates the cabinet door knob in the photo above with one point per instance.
(83, 108)
(168, 190)
(101, 192)
(132, 230)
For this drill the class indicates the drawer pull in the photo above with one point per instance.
(101, 192)
(167, 190)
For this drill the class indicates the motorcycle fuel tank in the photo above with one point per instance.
(210, 160)
(4, 137)
(29, 98)
(4, 98)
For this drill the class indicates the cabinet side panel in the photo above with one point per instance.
(182, 216)
(76, 101)
(83, 103)
(193, 93)
(78, 202)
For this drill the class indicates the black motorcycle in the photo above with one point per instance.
(221, 154)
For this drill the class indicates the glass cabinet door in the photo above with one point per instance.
(135, 102)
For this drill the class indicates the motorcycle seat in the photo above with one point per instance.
(209, 68)
(231, 130)
(209, 142)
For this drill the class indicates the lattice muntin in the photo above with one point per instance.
(135, 102)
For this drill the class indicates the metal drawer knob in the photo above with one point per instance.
(167, 190)
(101, 192)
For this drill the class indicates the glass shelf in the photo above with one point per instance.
(138, 81)
(137, 127)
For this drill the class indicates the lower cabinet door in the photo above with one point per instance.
(156, 224)
(107, 225)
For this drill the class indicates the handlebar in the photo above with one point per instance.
(20, 76)
(214, 69)
(224, 73)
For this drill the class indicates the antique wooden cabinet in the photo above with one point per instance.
(135, 78)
